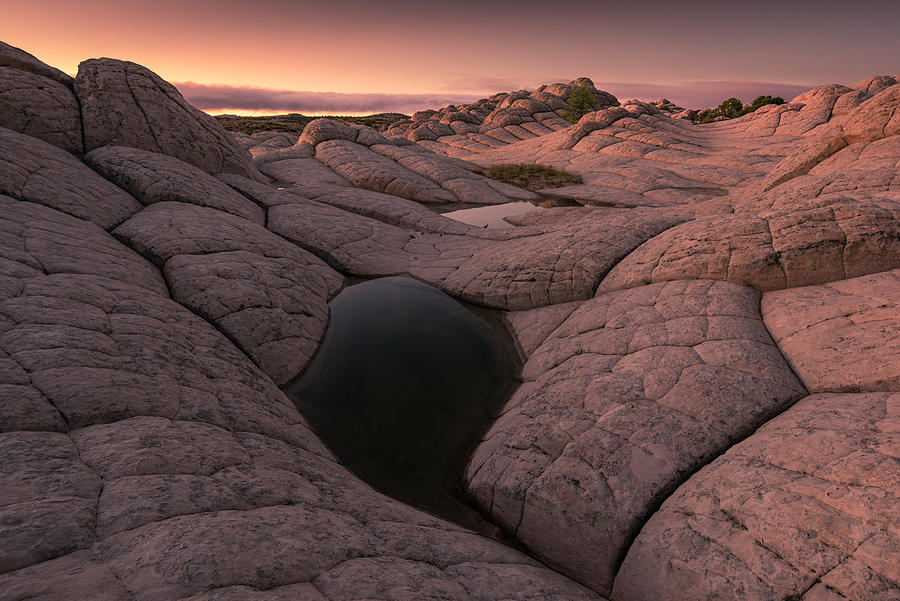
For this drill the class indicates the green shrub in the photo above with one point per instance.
(732, 108)
(581, 102)
(294, 122)
(532, 177)
(762, 101)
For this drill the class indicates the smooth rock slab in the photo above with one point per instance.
(392, 210)
(308, 176)
(635, 391)
(840, 337)
(36, 171)
(152, 177)
(125, 104)
(806, 508)
(267, 294)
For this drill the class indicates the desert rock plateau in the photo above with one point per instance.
(709, 407)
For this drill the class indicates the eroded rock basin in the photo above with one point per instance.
(406, 382)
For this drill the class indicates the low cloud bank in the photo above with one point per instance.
(218, 98)
(223, 98)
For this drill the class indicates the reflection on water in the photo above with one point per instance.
(492, 216)
(405, 383)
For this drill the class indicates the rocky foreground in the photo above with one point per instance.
(710, 408)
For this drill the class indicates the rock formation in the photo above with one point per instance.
(125, 104)
(710, 403)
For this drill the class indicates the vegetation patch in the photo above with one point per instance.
(581, 102)
(295, 122)
(732, 108)
(532, 177)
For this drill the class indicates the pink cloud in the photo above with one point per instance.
(221, 97)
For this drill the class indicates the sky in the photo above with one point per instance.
(363, 56)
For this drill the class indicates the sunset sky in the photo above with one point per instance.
(358, 56)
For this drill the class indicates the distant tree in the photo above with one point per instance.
(762, 101)
(731, 108)
(581, 102)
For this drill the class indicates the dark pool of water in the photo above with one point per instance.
(405, 384)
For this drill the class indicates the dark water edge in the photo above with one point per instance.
(405, 384)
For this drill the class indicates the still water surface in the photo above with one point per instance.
(492, 216)
(405, 384)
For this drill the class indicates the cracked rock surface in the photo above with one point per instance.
(843, 336)
(661, 445)
(153, 177)
(125, 104)
(631, 394)
(33, 170)
(266, 294)
(806, 508)
(146, 458)
(41, 107)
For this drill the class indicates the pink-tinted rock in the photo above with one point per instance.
(40, 107)
(267, 294)
(10, 56)
(794, 246)
(125, 104)
(48, 502)
(843, 336)
(37, 171)
(367, 169)
(532, 327)
(40, 240)
(152, 177)
(875, 118)
(76, 575)
(562, 265)
(806, 508)
(634, 391)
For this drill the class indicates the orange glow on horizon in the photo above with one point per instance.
(400, 47)
(250, 113)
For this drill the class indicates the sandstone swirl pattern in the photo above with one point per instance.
(710, 403)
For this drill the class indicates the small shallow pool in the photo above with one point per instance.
(492, 216)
